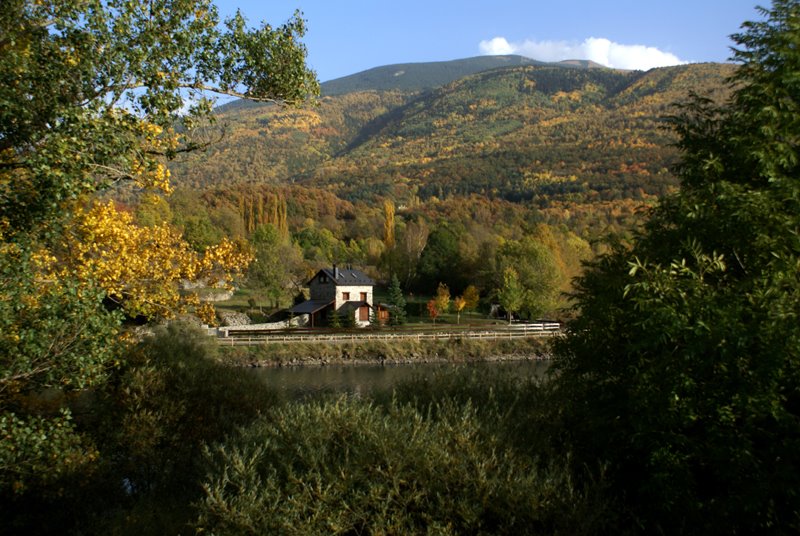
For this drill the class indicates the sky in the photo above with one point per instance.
(348, 36)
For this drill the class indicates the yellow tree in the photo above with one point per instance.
(96, 93)
(442, 298)
(140, 268)
(459, 302)
(471, 298)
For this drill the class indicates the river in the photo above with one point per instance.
(311, 381)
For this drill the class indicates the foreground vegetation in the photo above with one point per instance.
(673, 407)
(457, 452)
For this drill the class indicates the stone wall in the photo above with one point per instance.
(297, 321)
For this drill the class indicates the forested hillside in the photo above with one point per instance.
(522, 165)
(527, 133)
(582, 145)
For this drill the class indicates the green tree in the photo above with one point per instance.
(190, 215)
(278, 267)
(374, 321)
(93, 92)
(54, 336)
(397, 315)
(334, 319)
(153, 210)
(678, 381)
(409, 250)
(537, 273)
(319, 245)
(349, 318)
(440, 260)
(511, 295)
(157, 414)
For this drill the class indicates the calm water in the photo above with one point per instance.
(302, 382)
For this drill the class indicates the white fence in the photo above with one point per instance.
(513, 331)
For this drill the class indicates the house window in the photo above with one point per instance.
(345, 296)
(323, 279)
(363, 296)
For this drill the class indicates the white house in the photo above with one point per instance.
(344, 290)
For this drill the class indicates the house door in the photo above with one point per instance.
(363, 314)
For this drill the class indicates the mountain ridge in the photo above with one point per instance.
(420, 76)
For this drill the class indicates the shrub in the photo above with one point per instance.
(346, 466)
(168, 401)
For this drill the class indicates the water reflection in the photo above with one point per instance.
(310, 382)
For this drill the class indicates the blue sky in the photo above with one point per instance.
(345, 37)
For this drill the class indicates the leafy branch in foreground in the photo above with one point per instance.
(94, 92)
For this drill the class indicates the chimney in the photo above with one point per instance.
(335, 272)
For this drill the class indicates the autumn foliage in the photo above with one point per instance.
(139, 268)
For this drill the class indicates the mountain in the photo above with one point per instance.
(423, 76)
(560, 138)
(523, 133)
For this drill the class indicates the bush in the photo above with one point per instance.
(508, 406)
(346, 466)
(169, 400)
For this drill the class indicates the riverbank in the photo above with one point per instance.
(387, 352)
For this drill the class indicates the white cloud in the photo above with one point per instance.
(496, 47)
(597, 49)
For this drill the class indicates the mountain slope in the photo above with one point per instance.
(522, 133)
(558, 137)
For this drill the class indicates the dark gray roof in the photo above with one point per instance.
(355, 304)
(309, 307)
(346, 276)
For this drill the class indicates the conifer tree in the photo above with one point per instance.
(397, 315)
(334, 319)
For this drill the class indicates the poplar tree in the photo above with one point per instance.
(388, 224)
